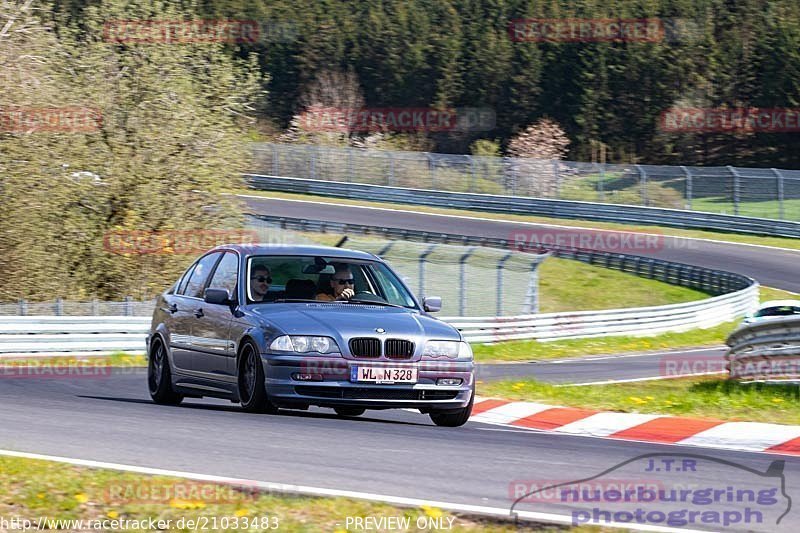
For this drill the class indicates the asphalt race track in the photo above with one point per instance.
(396, 453)
(772, 267)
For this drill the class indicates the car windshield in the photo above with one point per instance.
(273, 279)
(783, 310)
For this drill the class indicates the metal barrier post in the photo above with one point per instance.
(600, 182)
(23, 307)
(95, 307)
(462, 280)
(779, 175)
(500, 264)
(643, 182)
(736, 185)
(313, 163)
(531, 304)
(390, 169)
(688, 174)
(472, 174)
(59, 307)
(558, 178)
(128, 306)
(422, 259)
(276, 168)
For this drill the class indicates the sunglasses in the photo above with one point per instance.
(345, 281)
(262, 279)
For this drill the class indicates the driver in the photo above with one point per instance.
(260, 280)
(342, 285)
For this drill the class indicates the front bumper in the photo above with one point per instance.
(332, 385)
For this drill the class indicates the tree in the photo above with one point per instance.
(170, 140)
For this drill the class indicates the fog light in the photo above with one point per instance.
(449, 381)
(297, 376)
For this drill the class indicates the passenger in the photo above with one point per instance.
(260, 280)
(342, 285)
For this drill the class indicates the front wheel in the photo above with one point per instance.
(159, 376)
(252, 391)
(456, 418)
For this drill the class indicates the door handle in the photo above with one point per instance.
(198, 312)
(173, 308)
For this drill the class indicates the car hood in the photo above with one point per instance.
(342, 321)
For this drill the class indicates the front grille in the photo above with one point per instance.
(398, 349)
(365, 347)
(375, 393)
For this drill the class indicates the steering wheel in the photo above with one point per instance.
(367, 296)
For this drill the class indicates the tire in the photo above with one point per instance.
(349, 411)
(159, 376)
(454, 419)
(252, 391)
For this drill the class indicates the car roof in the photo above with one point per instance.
(779, 303)
(297, 249)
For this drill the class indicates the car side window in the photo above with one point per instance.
(199, 276)
(180, 286)
(226, 273)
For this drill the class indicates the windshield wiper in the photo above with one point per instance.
(295, 300)
(368, 302)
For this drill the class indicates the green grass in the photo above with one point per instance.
(780, 242)
(567, 285)
(530, 350)
(765, 209)
(34, 488)
(713, 398)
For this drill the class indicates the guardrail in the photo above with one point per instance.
(61, 336)
(529, 206)
(72, 335)
(768, 350)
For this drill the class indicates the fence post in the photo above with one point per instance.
(23, 307)
(276, 167)
(390, 170)
(95, 307)
(736, 185)
(128, 306)
(59, 306)
(558, 178)
(643, 183)
(500, 265)
(531, 305)
(779, 175)
(689, 184)
(462, 280)
(350, 170)
(472, 183)
(313, 163)
(600, 182)
(422, 260)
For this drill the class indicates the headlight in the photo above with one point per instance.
(304, 344)
(451, 349)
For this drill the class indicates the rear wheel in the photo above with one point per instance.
(159, 376)
(455, 418)
(252, 390)
(349, 411)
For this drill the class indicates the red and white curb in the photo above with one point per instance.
(745, 436)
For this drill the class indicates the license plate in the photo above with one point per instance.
(383, 374)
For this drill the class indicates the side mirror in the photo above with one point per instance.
(217, 296)
(432, 304)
